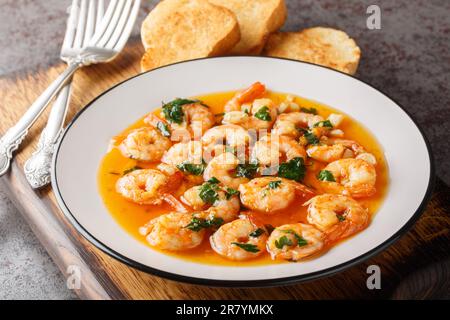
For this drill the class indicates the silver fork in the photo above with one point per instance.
(84, 20)
(107, 41)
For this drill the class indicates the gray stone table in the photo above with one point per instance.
(408, 58)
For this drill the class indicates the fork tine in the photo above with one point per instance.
(128, 27)
(113, 24)
(71, 25)
(81, 25)
(90, 22)
(120, 25)
(100, 12)
(104, 22)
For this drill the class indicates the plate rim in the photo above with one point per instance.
(242, 283)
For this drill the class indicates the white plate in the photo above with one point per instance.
(85, 141)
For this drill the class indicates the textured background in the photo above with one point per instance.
(409, 59)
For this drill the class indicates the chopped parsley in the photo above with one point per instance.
(248, 170)
(340, 217)
(294, 169)
(283, 241)
(194, 169)
(163, 128)
(300, 240)
(173, 111)
(308, 110)
(230, 192)
(198, 224)
(325, 175)
(274, 184)
(208, 191)
(263, 114)
(131, 169)
(256, 233)
(325, 124)
(247, 246)
(311, 138)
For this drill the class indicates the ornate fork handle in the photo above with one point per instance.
(37, 167)
(15, 135)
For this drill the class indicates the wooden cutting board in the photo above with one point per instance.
(102, 277)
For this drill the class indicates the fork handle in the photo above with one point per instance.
(15, 135)
(37, 167)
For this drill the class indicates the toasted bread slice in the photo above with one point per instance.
(177, 30)
(257, 19)
(325, 46)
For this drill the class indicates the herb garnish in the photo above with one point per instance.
(300, 240)
(294, 169)
(324, 123)
(340, 217)
(131, 169)
(247, 246)
(194, 169)
(208, 191)
(256, 233)
(325, 175)
(274, 184)
(283, 241)
(173, 110)
(263, 114)
(311, 138)
(248, 170)
(163, 128)
(308, 110)
(198, 224)
(229, 192)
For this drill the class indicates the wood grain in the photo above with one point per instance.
(105, 278)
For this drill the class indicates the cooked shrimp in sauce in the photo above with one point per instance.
(249, 177)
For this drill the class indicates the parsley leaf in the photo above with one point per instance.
(325, 175)
(340, 217)
(263, 114)
(198, 224)
(300, 240)
(294, 169)
(311, 138)
(208, 191)
(194, 169)
(229, 192)
(173, 110)
(256, 233)
(131, 169)
(247, 170)
(163, 128)
(283, 241)
(274, 184)
(308, 110)
(247, 246)
(325, 123)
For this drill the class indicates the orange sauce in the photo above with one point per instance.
(131, 216)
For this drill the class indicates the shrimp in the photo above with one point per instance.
(269, 194)
(222, 167)
(326, 153)
(336, 215)
(239, 240)
(288, 124)
(170, 232)
(353, 177)
(294, 241)
(229, 134)
(270, 148)
(181, 152)
(193, 119)
(256, 90)
(225, 205)
(147, 186)
(145, 144)
(261, 115)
